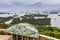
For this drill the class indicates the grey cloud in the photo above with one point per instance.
(43, 4)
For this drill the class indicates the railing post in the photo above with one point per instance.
(22, 37)
(17, 37)
(33, 38)
(27, 38)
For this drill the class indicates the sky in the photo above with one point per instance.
(9, 5)
(9, 2)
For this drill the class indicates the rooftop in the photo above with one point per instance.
(23, 29)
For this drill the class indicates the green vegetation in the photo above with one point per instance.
(4, 19)
(16, 21)
(4, 33)
(50, 31)
(45, 21)
(4, 26)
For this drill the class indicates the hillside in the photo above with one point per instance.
(4, 19)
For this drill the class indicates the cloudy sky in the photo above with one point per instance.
(30, 1)
(6, 5)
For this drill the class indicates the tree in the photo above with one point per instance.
(16, 20)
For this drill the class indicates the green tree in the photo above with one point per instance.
(16, 20)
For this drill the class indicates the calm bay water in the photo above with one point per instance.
(55, 19)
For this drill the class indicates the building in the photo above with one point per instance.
(24, 31)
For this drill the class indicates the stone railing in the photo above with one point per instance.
(44, 37)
